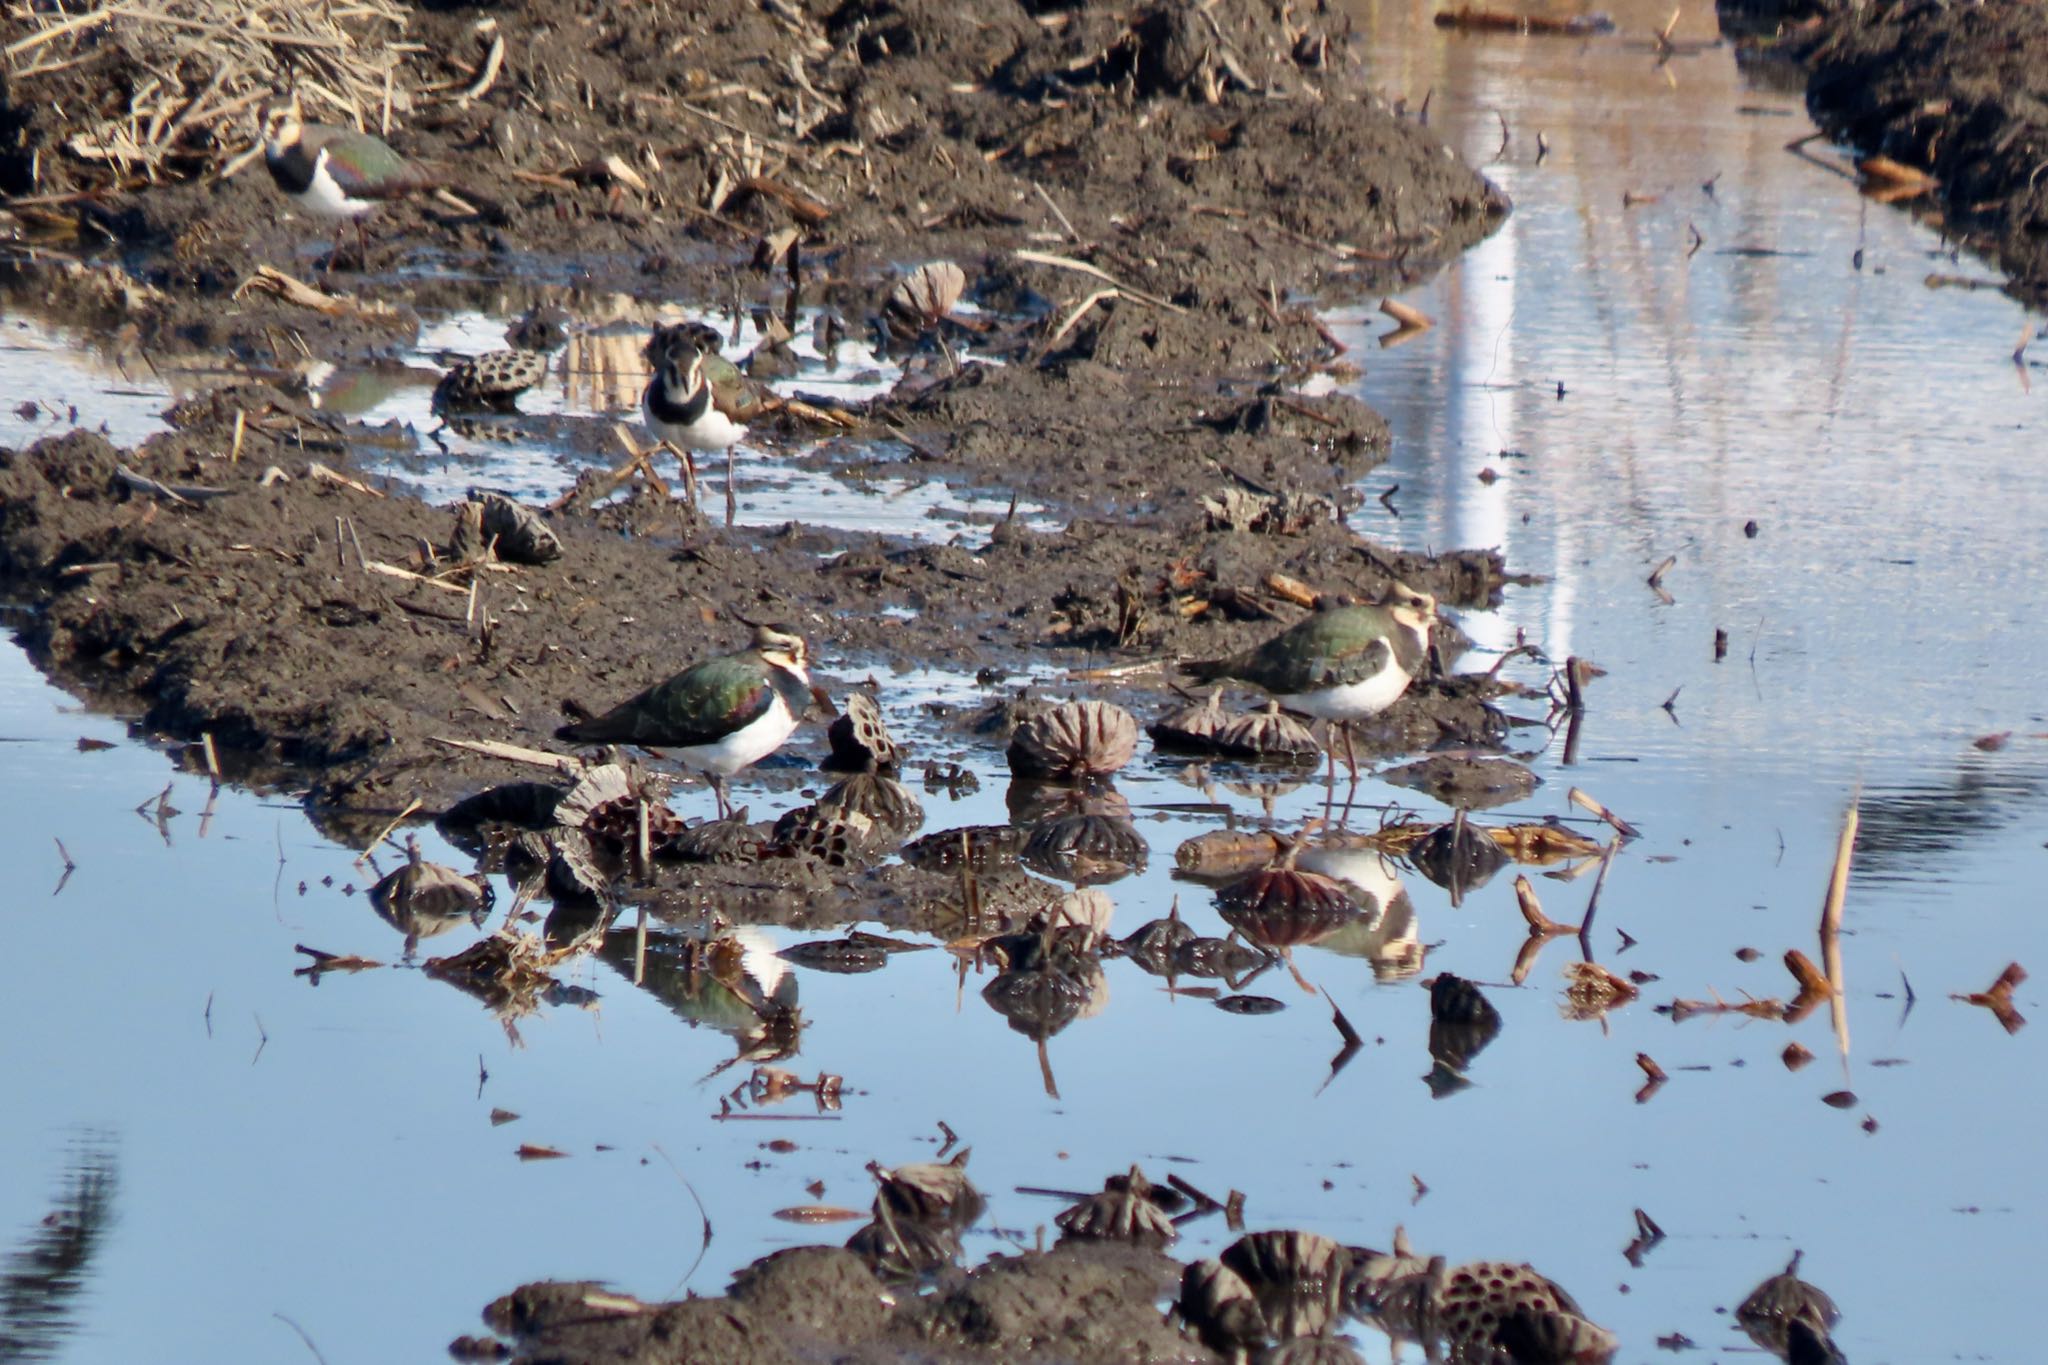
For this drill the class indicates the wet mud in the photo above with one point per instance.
(1955, 92)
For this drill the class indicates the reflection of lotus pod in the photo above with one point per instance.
(1217, 957)
(1220, 1306)
(574, 925)
(847, 956)
(1455, 1045)
(860, 742)
(1085, 848)
(1297, 1277)
(983, 848)
(1038, 1004)
(1474, 783)
(1154, 943)
(1463, 862)
(1287, 891)
(422, 899)
(1029, 801)
(1124, 1212)
(1270, 733)
(1074, 739)
(1784, 1299)
(1311, 1351)
(1191, 727)
(517, 533)
(1527, 1333)
(1454, 1000)
(530, 805)
(928, 293)
(888, 803)
(1278, 929)
(905, 1250)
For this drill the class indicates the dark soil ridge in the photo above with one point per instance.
(1079, 1303)
(1960, 91)
(1200, 153)
(249, 615)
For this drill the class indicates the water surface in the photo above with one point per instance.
(260, 1145)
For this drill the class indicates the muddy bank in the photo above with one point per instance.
(260, 607)
(1203, 154)
(1959, 91)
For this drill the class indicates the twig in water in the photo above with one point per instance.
(262, 1041)
(302, 1337)
(701, 1214)
(385, 833)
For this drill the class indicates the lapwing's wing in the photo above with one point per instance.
(701, 705)
(363, 166)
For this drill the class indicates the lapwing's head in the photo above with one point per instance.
(1415, 610)
(781, 647)
(282, 124)
(679, 341)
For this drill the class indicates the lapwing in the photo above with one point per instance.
(696, 399)
(1342, 664)
(334, 173)
(718, 716)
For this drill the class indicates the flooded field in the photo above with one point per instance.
(213, 1155)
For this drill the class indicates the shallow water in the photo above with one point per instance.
(327, 1153)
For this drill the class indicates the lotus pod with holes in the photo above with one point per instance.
(598, 786)
(1475, 1301)
(839, 838)
(927, 294)
(517, 533)
(489, 381)
(1297, 1278)
(1076, 739)
(860, 741)
(891, 805)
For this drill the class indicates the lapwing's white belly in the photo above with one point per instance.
(745, 746)
(713, 431)
(327, 199)
(1352, 701)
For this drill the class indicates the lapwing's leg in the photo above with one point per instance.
(731, 506)
(718, 792)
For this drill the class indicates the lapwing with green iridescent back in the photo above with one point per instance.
(1342, 664)
(335, 173)
(718, 716)
(696, 399)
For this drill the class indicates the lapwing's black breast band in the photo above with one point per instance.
(293, 171)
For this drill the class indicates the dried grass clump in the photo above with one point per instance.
(164, 74)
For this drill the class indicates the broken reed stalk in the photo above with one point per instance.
(1831, 921)
(385, 833)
